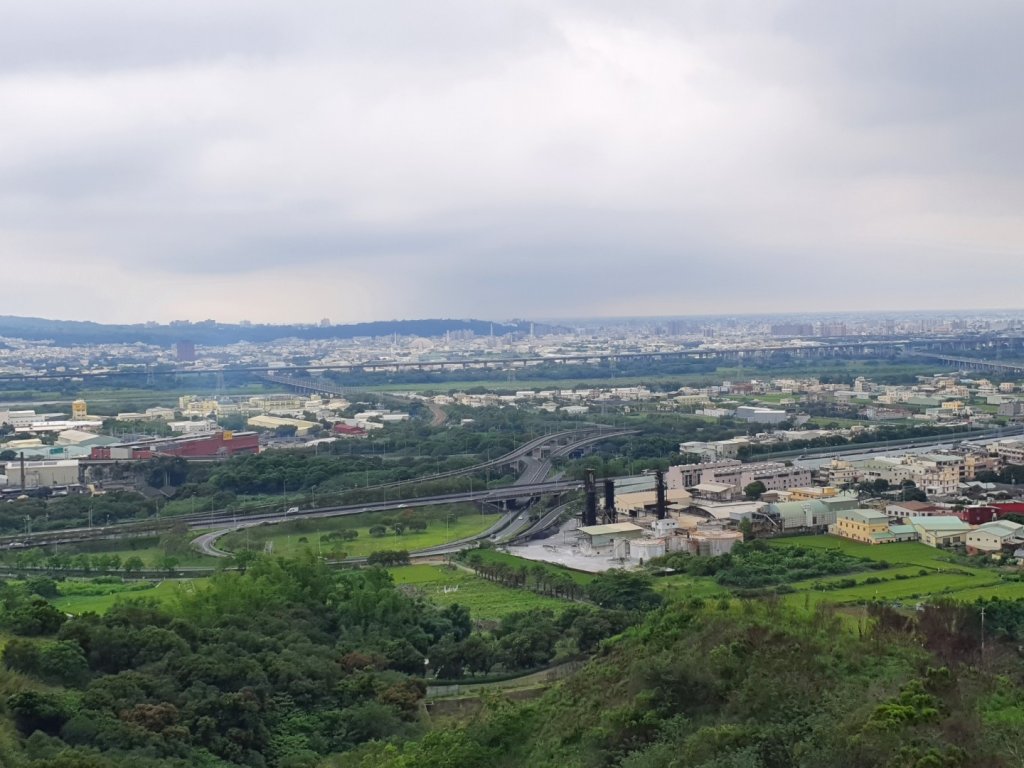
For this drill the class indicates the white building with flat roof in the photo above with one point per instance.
(600, 538)
(43, 474)
(759, 415)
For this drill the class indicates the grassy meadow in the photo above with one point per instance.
(486, 600)
(914, 572)
(290, 539)
(79, 596)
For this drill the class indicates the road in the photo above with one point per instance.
(546, 521)
(439, 415)
(221, 519)
(816, 457)
(531, 483)
(576, 438)
(207, 542)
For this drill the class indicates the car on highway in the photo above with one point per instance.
(291, 510)
(402, 506)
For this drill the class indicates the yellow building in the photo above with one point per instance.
(302, 427)
(201, 408)
(79, 410)
(812, 493)
(863, 525)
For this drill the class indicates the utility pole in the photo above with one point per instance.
(983, 635)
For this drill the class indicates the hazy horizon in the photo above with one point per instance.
(587, 319)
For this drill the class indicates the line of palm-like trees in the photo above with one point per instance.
(535, 578)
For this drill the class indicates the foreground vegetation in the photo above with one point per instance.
(280, 665)
(288, 664)
(755, 685)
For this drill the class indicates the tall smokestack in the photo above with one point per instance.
(659, 479)
(610, 515)
(590, 508)
(21, 457)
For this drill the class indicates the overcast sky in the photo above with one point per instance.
(489, 158)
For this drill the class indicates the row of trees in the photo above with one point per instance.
(615, 589)
(537, 578)
(86, 562)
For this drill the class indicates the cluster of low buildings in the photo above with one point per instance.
(726, 478)
(937, 474)
(630, 542)
(707, 502)
(53, 449)
(996, 537)
(771, 402)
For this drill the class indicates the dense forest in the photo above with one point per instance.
(756, 684)
(279, 665)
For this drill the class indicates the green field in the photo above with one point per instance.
(1007, 590)
(903, 553)
(289, 539)
(861, 577)
(915, 572)
(684, 587)
(83, 596)
(146, 548)
(623, 377)
(486, 600)
(678, 587)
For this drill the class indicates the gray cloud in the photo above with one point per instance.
(502, 159)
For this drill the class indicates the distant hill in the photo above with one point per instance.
(210, 333)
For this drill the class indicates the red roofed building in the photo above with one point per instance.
(979, 515)
(213, 445)
(344, 430)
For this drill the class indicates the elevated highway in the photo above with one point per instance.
(529, 456)
(971, 363)
(221, 519)
(531, 483)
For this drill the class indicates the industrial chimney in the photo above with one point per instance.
(610, 515)
(659, 479)
(590, 506)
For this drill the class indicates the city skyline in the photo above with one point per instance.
(247, 161)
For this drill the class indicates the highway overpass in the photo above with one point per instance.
(223, 519)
